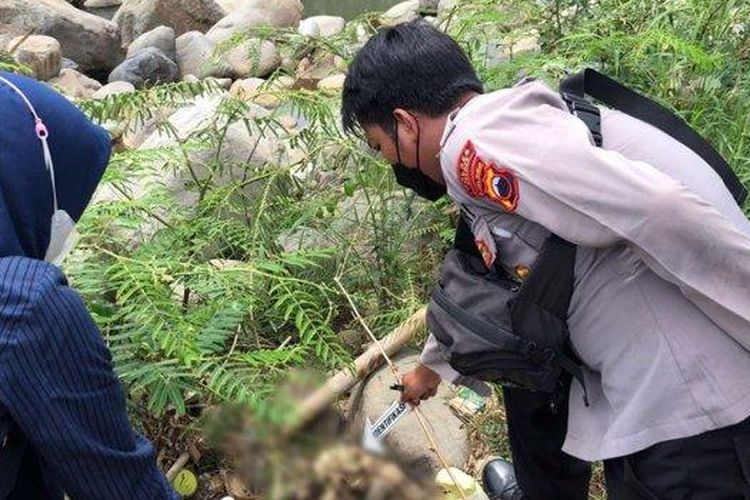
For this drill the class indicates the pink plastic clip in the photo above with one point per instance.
(41, 130)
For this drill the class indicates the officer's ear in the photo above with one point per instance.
(407, 126)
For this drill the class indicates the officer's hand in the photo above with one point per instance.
(419, 384)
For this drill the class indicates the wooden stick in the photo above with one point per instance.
(177, 467)
(423, 424)
(21, 40)
(417, 411)
(363, 366)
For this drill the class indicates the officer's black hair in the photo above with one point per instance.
(411, 66)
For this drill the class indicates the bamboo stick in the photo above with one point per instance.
(365, 364)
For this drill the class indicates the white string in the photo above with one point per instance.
(51, 169)
(42, 134)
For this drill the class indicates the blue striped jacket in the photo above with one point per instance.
(63, 422)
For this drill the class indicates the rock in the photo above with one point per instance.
(245, 88)
(230, 6)
(222, 83)
(403, 12)
(75, 84)
(70, 64)
(429, 4)
(284, 82)
(113, 88)
(240, 145)
(498, 53)
(308, 27)
(526, 44)
(310, 71)
(255, 13)
(137, 17)
(238, 141)
(194, 56)
(252, 58)
(333, 84)
(101, 4)
(40, 53)
(446, 6)
(92, 42)
(250, 90)
(362, 33)
(322, 25)
(162, 38)
(289, 122)
(406, 442)
(146, 68)
(262, 92)
(304, 238)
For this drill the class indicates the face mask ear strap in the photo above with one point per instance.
(419, 136)
(395, 139)
(42, 133)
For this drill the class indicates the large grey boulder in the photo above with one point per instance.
(137, 17)
(146, 68)
(240, 145)
(161, 37)
(257, 13)
(92, 42)
(40, 53)
(407, 443)
(195, 53)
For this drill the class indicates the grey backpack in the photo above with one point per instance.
(498, 329)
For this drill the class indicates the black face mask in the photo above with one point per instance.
(418, 182)
(414, 178)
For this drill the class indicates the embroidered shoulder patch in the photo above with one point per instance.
(481, 179)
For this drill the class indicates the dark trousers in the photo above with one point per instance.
(536, 431)
(711, 466)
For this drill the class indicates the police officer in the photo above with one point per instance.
(660, 314)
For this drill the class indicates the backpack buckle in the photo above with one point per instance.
(587, 113)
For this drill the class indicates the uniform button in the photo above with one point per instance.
(522, 272)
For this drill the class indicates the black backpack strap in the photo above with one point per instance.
(616, 96)
(543, 303)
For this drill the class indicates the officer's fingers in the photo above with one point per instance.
(411, 393)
